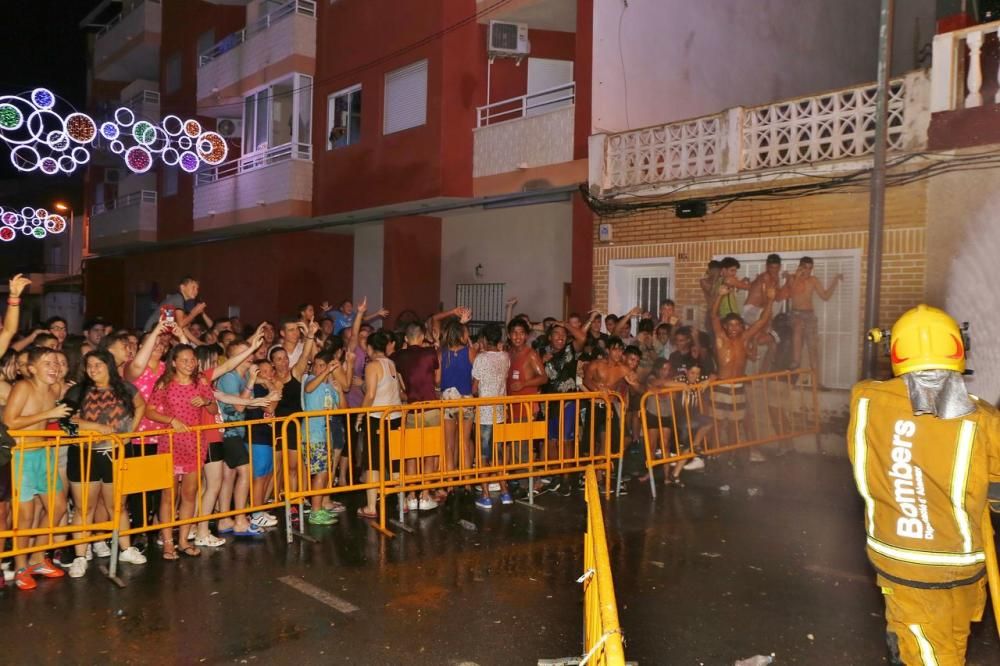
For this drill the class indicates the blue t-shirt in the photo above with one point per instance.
(340, 320)
(323, 398)
(233, 384)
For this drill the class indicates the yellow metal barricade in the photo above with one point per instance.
(602, 635)
(683, 421)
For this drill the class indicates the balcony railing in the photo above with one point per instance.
(832, 126)
(134, 199)
(964, 71)
(254, 161)
(118, 18)
(230, 42)
(549, 99)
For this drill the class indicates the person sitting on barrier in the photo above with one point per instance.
(490, 372)
(178, 398)
(105, 404)
(456, 358)
(32, 406)
(732, 338)
(382, 388)
(321, 390)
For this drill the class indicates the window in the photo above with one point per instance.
(170, 182)
(405, 98)
(343, 118)
(278, 115)
(206, 41)
(172, 74)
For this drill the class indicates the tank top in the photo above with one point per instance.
(356, 394)
(387, 390)
(456, 370)
(518, 366)
(291, 398)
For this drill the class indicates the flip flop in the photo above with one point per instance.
(228, 530)
(367, 515)
(190, 551)
(253, 532)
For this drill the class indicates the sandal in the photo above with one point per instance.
(171, 554)
(363, 512)
(190, 551)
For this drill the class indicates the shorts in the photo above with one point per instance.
(486, 445)
(730, 401)
(751, 313)
(263, 460)
(100, 464)
(568, 422)
(63, 458)
(215, 452)
(371, 446)
(451, 413)
(807, 319)
(654, 421)
(31, 474)
(234, 451)
(5, 483)
(428, 418)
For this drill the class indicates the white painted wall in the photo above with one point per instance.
(682, 59)
(528, 248)
(369, 252)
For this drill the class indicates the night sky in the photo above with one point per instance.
(45, 48)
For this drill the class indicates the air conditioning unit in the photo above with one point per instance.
(231, 128)
(508, 39)
(112, 176)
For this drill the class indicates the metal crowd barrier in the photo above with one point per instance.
(684, 421)
(602, 635)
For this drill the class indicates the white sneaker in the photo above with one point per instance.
(427, 504)
(78, 568)
(262, 519)
(8, 575)
(412, 504)
(101, 549)
(757, 456)
(90, 553)
(696, 463)
(211, 541)
(132, 556)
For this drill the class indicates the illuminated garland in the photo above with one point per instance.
(35, 222)
(41, 139)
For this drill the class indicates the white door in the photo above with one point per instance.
(543, 74)
(642, 282)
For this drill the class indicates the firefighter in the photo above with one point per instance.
(924, 452)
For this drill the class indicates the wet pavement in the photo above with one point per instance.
(744, 560)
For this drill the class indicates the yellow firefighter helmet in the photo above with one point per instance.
(926, 338)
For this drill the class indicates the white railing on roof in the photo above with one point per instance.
(960, 68)
(831, 126)
(230, 42)
(549, 99)
(836, 125)
(134, 199)
(118, 17)
(254, 161)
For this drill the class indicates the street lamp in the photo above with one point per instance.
(63, 208)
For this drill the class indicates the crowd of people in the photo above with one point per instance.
(187, 370)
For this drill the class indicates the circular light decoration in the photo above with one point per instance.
(55, 224)
(27, 212)
(39, 232)
(57, 140)
(172, 125)
(192, 128)
(124, 116)
(109, 131)
(144, 132)
(40, 214)
(80, 127)
(212, 148)
(80, 155)
(7, 234)
(185, 143)
(10, 218)
(11, 117)
(138, 159)
(48, 166)
(117, 147)
(170, 156)
(43, 98)
(25, 158)
(189, 162)
(67, 164)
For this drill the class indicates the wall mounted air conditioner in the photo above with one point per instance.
(508, 39)
(230, 128)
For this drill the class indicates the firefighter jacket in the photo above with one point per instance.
(924, 483)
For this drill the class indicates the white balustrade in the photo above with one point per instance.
(673, 151)
(960, 65)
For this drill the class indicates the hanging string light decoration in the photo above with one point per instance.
(40, 139)
(35, 222)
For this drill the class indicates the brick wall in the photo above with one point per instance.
(789, 227)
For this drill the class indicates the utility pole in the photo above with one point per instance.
(876, 200)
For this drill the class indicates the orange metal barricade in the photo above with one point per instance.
(602, 635)
(685, 421)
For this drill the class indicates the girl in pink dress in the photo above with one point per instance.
(178, 400)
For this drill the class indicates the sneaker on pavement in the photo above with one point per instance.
(263, 519)
(101, 549)
(757, 456)
(694, 464)
(78, 568)
(427, 504)
(23, 580)
(8, 575)
(47, 569)
(484, 503)
(505, 498)
(210, 541)
(90, 551)
(321, 517)
(132, 556)
(412, 504)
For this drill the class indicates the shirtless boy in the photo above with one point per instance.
(605, 375)
(32, 404)
(801, 286)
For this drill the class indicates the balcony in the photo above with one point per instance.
(127, 220)
(806, 132)
(524, 132)
(128, 47)
(144, 101)
(266, 186)
(273, 46)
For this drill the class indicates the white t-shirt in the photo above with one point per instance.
(490, 370)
